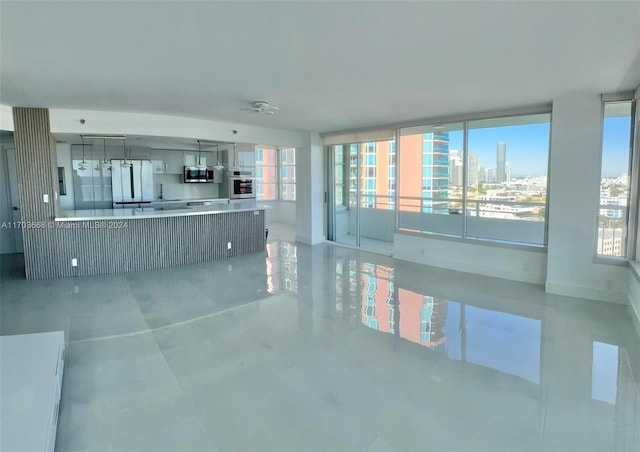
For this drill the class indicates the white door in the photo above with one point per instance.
(15, 198)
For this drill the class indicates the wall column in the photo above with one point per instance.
(310, 204)
(35, 166)
(574, 191)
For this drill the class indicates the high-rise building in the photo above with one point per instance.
(455, 168)
(472, 177)
(488, 175)
(501, 158)
(424, 167)
(435, 172)
(507, 172)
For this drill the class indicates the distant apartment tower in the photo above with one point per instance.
(435, 172)
(507, 172)
(488, 175)
(455, 168)
(472, 181)
(501, 159)
(425, 172)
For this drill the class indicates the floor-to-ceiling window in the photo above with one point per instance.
(484, 179)
(613, 209)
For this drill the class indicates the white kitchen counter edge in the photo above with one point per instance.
(136, 214)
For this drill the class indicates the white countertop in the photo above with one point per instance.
(29, 373)
(156, 212)
(173, 201)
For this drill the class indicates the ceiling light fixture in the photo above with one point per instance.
(105, 163)
(83, 164)
(218, 166)
(200, 165)
(124, 163)
(261, 106)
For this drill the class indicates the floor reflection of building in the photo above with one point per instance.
(422, 319)
(415, 317)
(377, 298)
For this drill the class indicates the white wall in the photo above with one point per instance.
(280, 212)
(6, 118)
(310, 204)
(488, 260)
(574, 190)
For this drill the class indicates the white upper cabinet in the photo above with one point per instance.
(245, 156)
(173, 162)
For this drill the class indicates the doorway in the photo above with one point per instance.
(362, 189)
(10, 202)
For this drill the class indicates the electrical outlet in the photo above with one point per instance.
(45, 197)
(74, 262)
(256, 212)
(228, 245)
(229, 267)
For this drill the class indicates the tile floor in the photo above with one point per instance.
(328, 348)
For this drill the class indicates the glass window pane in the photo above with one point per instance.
(614, 181)
(507, 174)
(431, 178)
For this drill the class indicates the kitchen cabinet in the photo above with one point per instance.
(158, 166)
(173, 162)
(167, 162)
(244, 156)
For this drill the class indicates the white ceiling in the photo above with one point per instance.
(327, 65)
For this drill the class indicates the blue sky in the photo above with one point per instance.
(528, 145)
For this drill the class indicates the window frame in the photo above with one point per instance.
(277, 166)
(465, 128)
(630, 220)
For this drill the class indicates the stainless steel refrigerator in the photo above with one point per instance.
(131, 185)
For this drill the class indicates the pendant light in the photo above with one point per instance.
(200, 166)
(124, 163)
(83, 164)
(218, 166)
(105, 163)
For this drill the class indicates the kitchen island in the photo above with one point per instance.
(106, 241)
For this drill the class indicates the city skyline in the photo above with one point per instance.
(527, 149)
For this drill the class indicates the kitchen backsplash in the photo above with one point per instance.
(174, 188)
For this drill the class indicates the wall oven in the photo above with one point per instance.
(242, 184)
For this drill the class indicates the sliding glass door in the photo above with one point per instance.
(362, 181)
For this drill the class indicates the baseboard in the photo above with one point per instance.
(589, 293)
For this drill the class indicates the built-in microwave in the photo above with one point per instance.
(194, 174)
(242, 184)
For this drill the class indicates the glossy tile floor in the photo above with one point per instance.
(328, 348)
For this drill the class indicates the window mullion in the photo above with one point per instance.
(465, 176)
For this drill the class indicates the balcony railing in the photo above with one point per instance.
(612, 231)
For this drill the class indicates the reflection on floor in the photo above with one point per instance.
(371, 245)
(307, 348)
